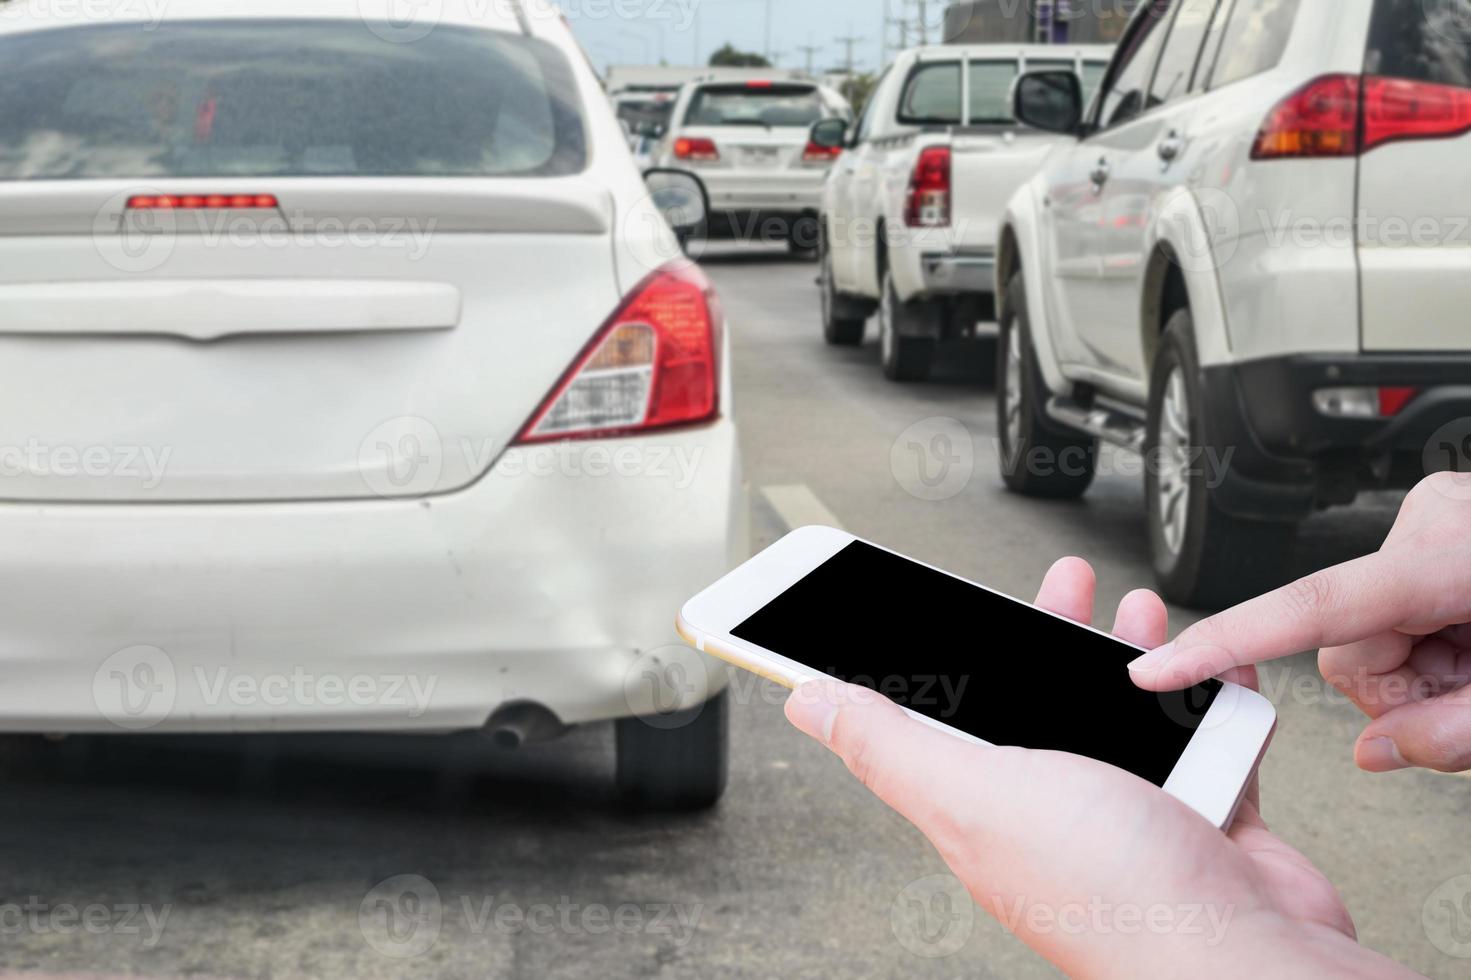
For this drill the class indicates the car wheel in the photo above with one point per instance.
(1038, 457)
(803, 236)
(677, 761)
(843, 319)
(904, 358)
(1203, 557)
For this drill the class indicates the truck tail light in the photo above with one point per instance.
(929, 190)
(1346, 115)
(696, 148)
(653, 365)
(200, 202)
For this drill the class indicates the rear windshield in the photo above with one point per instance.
(756, 105)
(641, 113)
(933, 97)
(283, 98)
(1428, 42)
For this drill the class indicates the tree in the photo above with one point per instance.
(731, 57)
(857, 89)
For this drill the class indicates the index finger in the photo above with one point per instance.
(1334, 607)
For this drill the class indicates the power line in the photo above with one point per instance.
(848, 43)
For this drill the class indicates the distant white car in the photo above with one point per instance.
(911, 211)
(748, 141)
(351, 384)
(1250, 260)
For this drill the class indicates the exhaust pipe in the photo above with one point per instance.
(522, 722)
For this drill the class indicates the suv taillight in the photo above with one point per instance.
(653, 365)
(820, 154)
(696, 148)
(1345, 115)
(929, 190)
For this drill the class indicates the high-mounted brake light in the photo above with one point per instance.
(929, 190)
(174, 202)
(759, 83)
(1346, 115)
(653, 365)
(696, 148)
(820, 154)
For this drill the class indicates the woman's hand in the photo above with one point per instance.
(1394, 631)
(1166, 893)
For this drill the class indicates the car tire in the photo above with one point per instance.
(1039, 458)
(904, 356)
(1203, 557)
(844, 319)
(677, 761)
(803, 237)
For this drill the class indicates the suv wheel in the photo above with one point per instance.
(1038, 458)
(904, 358)
(843, 318)
(677, 761)
(1203, 557)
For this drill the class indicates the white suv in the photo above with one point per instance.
(747, 140)
(1252, 262)
(350, 385)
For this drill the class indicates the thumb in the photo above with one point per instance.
(1432, 734)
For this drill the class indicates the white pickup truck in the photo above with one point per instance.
(911, 208)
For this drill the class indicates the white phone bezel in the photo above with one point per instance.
(1210, 777)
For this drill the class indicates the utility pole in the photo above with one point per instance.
(810, 50)
(847, 43)
(768, 50)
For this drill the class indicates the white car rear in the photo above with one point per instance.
(349, 387)
(748, 142)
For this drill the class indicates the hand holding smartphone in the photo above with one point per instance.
(982, 666)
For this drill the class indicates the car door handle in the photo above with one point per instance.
(1100, 174)
(1171, 147)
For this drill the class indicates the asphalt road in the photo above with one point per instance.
(281, 857)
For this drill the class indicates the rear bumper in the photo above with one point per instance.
(554, 580)
(774, 192)
(1287, 458)
(959, 273)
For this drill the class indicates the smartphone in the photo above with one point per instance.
(976, 663)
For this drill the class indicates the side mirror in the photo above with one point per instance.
(680, 197)
(829, 134)
(1049, 100)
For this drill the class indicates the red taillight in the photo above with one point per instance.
(653, 365)
(759, 83)
(173, 202)
(1321, 119)
(1393, 400)
(695, 148)
(821, 154)
(929, 190)
(1399, 109)
(1344, 115)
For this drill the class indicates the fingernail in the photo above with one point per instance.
(812, 709)
(1381, 755)
(1153, 661)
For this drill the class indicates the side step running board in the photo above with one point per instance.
(1104, 423)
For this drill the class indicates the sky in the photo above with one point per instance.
(641, 31)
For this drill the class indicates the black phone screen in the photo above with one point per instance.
(995, 668)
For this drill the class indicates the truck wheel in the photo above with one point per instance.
(1203, 557)
(843, 318)
(904, 356)
(1038, 457)
(677, 763)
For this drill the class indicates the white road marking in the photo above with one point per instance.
(798, 506)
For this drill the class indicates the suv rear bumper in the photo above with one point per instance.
(1287, 458)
